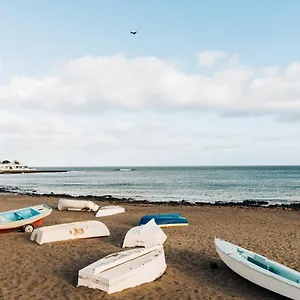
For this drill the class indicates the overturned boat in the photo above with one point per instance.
(260, 270)
(24, 218)
(109, 210)
(77, 205)
(123, 270)
(69, 231)
(165, 220)
(147, 235)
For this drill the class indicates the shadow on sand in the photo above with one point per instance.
(213, 272)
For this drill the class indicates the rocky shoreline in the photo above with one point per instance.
(115, 200)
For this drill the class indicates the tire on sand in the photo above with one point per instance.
(28, 228)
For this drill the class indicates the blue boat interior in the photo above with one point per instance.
(268, 265)
(174, 215)
(20, 214)
(161, 219)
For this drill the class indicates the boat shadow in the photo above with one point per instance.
(69, 268)
(93, 251)
(213, 272)
(69, 273)
(117, 235)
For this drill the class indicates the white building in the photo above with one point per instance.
(14, 166)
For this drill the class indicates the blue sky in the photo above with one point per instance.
(41, 40)
(38, 33)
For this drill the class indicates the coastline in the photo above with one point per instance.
(115, 200)
(190, 252)
(32, 171)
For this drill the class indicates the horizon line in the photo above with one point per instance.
(169, 166)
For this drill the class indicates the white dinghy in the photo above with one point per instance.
(260, 270)
(123, 270)
(26, 218)
(69, 231)
(109, 210)
(77, 205)
(147, 235)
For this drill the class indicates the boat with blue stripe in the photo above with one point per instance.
(260, 270)
(165, 220)
(26, 218)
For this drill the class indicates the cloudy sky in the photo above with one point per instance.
(199, 84)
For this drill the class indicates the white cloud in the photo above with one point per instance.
(270, 71)
(91, 84)
(210, 57)
(117, 110)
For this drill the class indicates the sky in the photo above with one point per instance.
(201, 83)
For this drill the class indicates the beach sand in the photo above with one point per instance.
(50, 271)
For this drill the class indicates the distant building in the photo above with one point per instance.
(15, 166)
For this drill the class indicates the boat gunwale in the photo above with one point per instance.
(88, 273)
(13, 224)
(238, 258)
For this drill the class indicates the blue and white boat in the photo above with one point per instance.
(25, 218)
(260, 270)
(165, 220)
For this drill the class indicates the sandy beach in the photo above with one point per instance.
(49, 271)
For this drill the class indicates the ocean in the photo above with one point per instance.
(274, 184)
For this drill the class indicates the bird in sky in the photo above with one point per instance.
(133, 32)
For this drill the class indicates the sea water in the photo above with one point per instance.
(275, 184)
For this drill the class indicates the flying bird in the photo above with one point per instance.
(133, 32)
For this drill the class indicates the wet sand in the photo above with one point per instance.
(49, 271)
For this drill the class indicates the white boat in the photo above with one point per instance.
(24, 218)
(110, 210)
(147, 235)
(77, 205)
(260, 270)
(69, 231)
(123, 270)
(15, 166)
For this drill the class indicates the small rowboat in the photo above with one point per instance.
(147, 235)
(109, 210)
(24, 218)
(69, 231)
(165, 220)
(260, 270)
(122, 270)
(77, 205)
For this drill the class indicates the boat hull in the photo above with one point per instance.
(165, 220)
(124, 270)
(147, 235)
(264, 280)
(18, 219)
(34, 224)
(69, 231)
(77, 205)
(109, 210)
